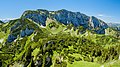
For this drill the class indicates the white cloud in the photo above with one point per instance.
(108, 18)
(100, 15)
(8, 19)
(103, 15)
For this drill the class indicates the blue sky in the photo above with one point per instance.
(107, 10)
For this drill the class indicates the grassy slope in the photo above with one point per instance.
(83, 64)
(115, 63)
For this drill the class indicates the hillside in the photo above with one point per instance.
(60, 38)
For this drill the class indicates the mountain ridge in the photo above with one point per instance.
(66, 17)
(30, 20)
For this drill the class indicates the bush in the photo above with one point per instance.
(78, 59)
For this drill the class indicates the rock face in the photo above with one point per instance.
(11, 38)
(23, 33)
(19, 28)
(66, 17)
(26, 32)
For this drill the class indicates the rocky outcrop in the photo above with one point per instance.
(38, 16)
(98, 25)
(26, 32)
(23, 33)
(66, 17)
(20, 28)
(11, 38)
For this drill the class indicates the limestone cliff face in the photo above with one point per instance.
(66, 17)
(23, 33)
(11, 38)
(25, 25)
(20, 28)
(26, 32)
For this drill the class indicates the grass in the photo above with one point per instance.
(115, 63)
(2, 34)
(83, 64)
(56, 30)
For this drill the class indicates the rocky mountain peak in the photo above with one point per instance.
(66, 17)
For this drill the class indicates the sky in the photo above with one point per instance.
(107, 10)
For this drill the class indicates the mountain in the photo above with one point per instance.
(24, 26)
(60, 38)
(66, 17)
(115, 26)
(5, 20)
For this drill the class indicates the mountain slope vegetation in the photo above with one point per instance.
(27, 42)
